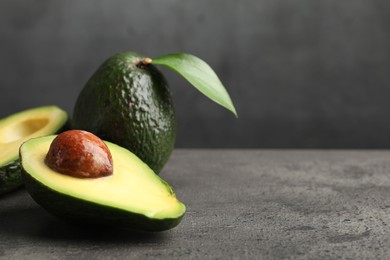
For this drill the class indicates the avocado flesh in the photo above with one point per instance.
(18, 128)
(133, 197)
(130, 105)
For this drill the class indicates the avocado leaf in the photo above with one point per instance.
(200, 75)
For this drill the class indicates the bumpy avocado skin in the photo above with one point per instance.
(10, 176)
(87, 213)
(130, 105)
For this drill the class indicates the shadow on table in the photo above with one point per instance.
(36, 223)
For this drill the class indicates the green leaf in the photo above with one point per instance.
(200, 75)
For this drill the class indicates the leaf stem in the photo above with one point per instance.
(144, 62)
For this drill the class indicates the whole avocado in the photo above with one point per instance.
(127, 101)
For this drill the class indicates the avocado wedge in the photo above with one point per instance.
(132, 197)
(18, 128)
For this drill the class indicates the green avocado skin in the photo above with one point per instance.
(10, 176)
(87, 213)
(130, 105)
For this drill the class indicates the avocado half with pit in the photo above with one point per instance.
(132, 197)
(18, 128)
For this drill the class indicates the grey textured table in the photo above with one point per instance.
(242, 204)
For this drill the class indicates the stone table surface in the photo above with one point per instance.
(241, 204)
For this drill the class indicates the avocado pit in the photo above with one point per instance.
(79, 154)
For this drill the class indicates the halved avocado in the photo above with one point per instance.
(132, 197)
(18, 128)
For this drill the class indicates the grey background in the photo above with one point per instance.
(302, 73)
